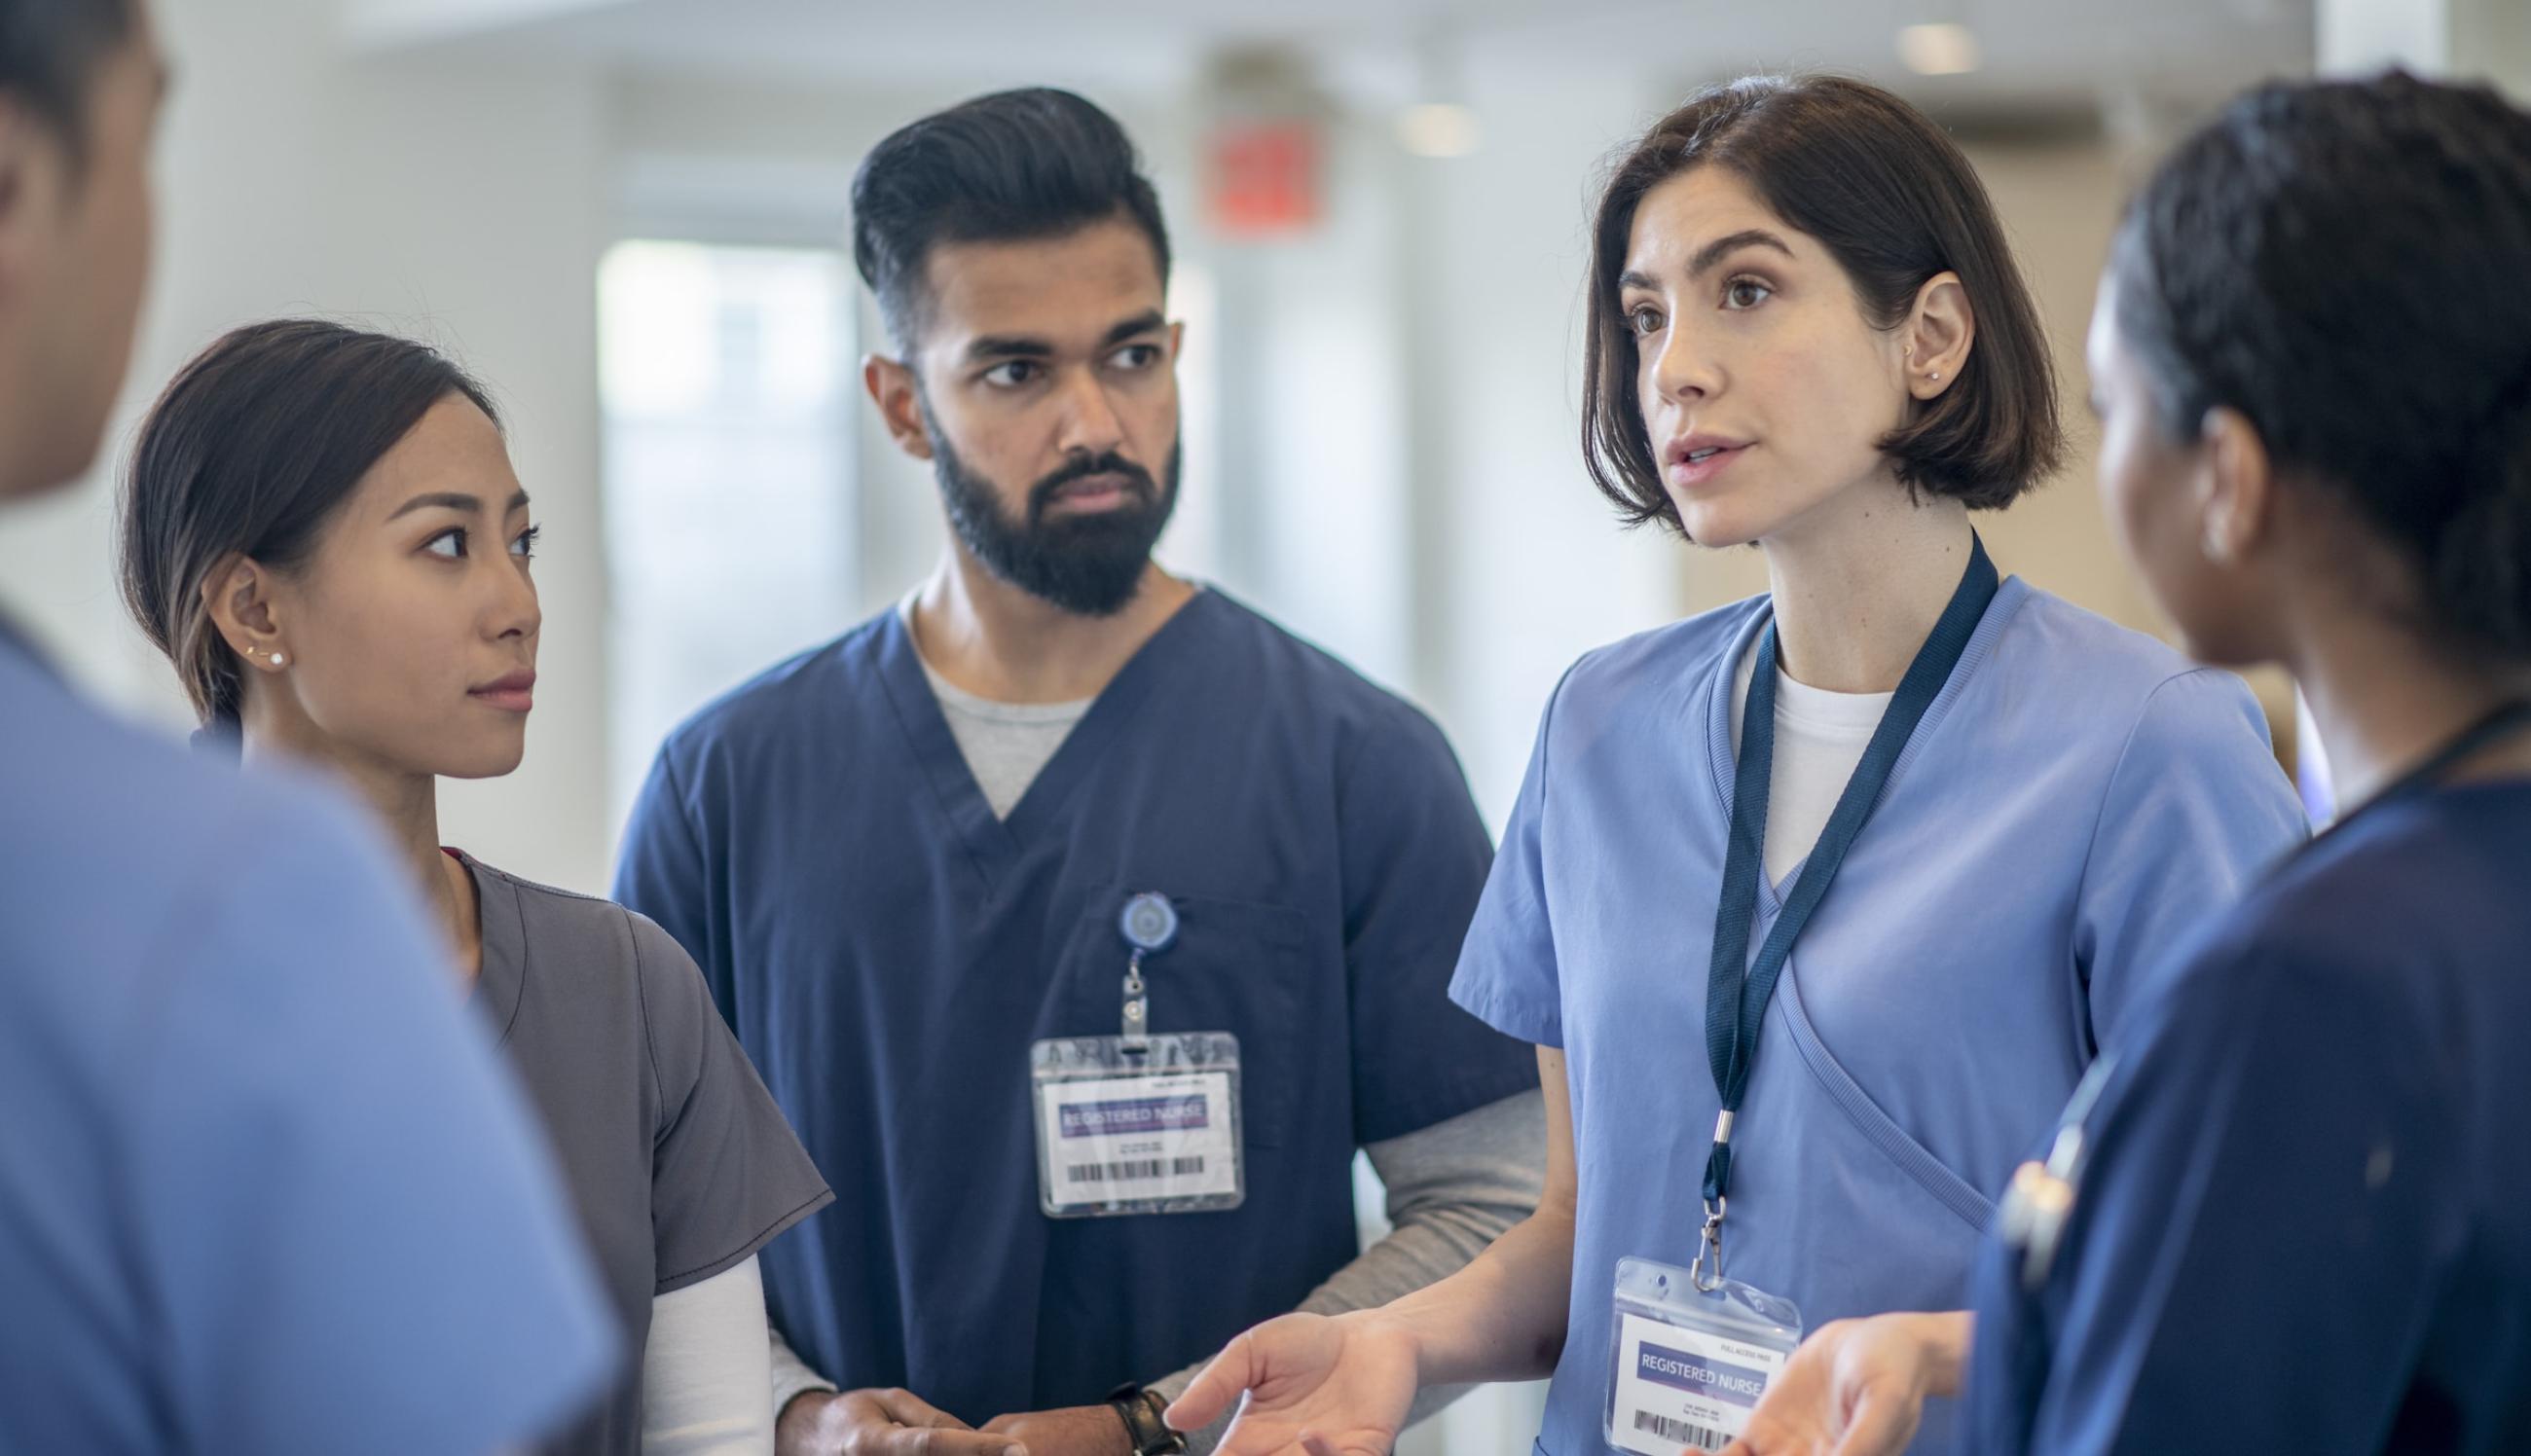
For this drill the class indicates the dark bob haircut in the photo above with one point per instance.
(250, 452)
(1013, 166)
(1895, 204)
(2347, 263)
(49, 54)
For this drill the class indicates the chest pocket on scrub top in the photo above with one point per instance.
(1233, 965)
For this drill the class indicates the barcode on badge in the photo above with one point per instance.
(1133, 1173)
(1685, 1432)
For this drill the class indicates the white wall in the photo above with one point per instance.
(1525, 566)
(459, 205)
(2471, 39)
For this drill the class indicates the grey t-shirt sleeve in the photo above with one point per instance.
(728, 1174)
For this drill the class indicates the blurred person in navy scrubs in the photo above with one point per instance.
(906, 861)
(2292, 1211)
(239, 1081)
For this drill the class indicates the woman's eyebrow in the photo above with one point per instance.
(1712, 253)
(1721, 248)
(445, 500)
(452, 500)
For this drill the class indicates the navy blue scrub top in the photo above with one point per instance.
(887, 950)
(2305, 1220)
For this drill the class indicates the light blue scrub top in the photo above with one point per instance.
(2075, 803)
(263, 1188)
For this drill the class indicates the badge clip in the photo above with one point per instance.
(1706, 1272)
(1148, 925)
(1138, 1004)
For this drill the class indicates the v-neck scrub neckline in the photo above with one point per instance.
(1716, 695)
(991, 840)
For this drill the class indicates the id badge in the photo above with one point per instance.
(1688, 1365)
(1137, 1125)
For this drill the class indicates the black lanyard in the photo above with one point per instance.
(1737, 990)
(2503, 722)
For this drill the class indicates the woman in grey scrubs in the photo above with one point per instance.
(323, 532)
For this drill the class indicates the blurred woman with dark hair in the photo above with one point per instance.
(323, 532)
(2292, 1210)
(1920, 834)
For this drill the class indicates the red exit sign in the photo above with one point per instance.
(1264, 178)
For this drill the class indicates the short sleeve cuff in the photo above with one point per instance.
(684, 1278)
(1538, 1023)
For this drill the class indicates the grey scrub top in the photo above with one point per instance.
(677, 1158)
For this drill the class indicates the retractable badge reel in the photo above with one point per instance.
(1138, 1122)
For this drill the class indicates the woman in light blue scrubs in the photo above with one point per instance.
(2290, 1209)
(1819, 905)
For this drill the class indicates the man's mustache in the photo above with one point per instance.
(1137, 479)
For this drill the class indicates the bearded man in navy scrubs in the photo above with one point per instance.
(1057, 798)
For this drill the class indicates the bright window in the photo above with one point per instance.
(726, 386)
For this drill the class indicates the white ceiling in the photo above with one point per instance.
(2034, 49)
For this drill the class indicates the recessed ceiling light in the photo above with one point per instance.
(1938, 50)
(1438, 128)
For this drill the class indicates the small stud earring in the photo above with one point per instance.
(277, 659)
(1938, 376)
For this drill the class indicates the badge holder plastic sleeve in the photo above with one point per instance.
(1688, 1365)
(1141, 1125)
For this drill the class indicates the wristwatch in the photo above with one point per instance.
(1140, 1410)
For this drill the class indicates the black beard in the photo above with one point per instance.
(1088, 565)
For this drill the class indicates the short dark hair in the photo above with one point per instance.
(1893, 200)
(250, 451)
(49, 54)
(2347, 263)
(1011, 166)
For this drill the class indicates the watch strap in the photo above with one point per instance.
(1140, 1410)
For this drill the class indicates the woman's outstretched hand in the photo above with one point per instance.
(1857, 1387)
(1315, 1384)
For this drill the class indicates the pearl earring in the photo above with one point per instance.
(1938, 376)
(277, 659)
